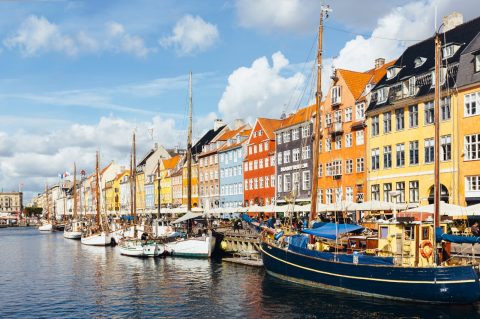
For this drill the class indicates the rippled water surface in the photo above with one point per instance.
(47, 276)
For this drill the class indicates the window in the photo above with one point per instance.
(383, 232)
(349, 166)
(360, 165)
(400, 187)
(336, 168)
(445, 108)
(419, 61)
(360, 140)
(429, 112)
(336, 95)
(472, 102)
(375, 125)
(375, 159)
(328, 119)
(272, 160)
(286, 137)
(338, 194)
(382, 95)
(250, 150)
(260, 147)
(286, 157)
(349, 194)
(413, 186)
(375, 191)
(254, 149)
(296, 154)
(306, 131)
(272, 181)
(337, 116)
(306, 180)
(328, 144)
(472, 183)
(320, 170)
(280, 159)
(348, 114)
(279, 138)
(472, 147)
(387, 188)
(477, 63)
(387, 122)
(306, 152)
(266, 146)
(429, 150)
(449, 50)
(348, 140)
(387, 156)
(413, 116)
(267, 179)
(280, 184)
(287, 183)
(266, 162)
(255, 183)
(255, 164)
(250, 165)
(400, 155)
(360, 112)
(413, 149)
(445, 148)
(295, 134)
(329, 196)
(411, 86)
(261, 182)
(296, 181)
(260, 163)
(399, 119)
(338, 142)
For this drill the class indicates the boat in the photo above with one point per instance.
(73, 229)
(404, 259)
(97, 234)
(47, 224)
(130, 244)
(197, 247)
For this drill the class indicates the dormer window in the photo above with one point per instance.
(392, 72)
(382, 95)
(449, 50)
(476, 63)
(419, 61)
(443, 76)
(336, 95)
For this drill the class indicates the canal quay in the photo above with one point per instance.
(46, 276)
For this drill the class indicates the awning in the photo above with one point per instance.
(187, 216)
(332, 230)
(445, 209)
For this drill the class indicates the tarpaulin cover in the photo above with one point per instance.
(297, 241)
(332, 230)
(456, 239)
(318, 224)
(345, 258)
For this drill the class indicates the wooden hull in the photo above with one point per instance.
(101, 239)
(201, 247)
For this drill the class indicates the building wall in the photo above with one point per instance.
(231, 177)
(177, 189)
(11, 202)
(194, 185)
(259, 195)
(209, 182)
(140, 191)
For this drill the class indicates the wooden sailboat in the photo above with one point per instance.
(98, 234)
(47, 224)
(132, 245)
(403, 261)
(73, 229)
(192, 246)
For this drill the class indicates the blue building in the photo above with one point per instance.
(231, 168)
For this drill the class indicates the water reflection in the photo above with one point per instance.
(46, 276)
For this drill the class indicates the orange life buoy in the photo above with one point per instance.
(426, 248)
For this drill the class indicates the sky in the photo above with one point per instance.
(80, 76)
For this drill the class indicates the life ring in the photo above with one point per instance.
(426, 249)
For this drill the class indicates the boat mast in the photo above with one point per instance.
(318, 99)
(159, 189)
(74, 191)
(97, 191)
(48, 203)
(133, 197)
(189, 148)
(436, 186)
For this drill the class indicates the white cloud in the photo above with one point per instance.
(191, 35)
(289, 15)
(413, 21)
(37, 35)
(260, 90)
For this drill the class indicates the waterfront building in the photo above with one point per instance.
(117, 181)
(125, 193)
(208, 167)
(110, 196)
(293, 153)
(341, 170)
(259, 163)
(194, 180)
(177, 184)
(166, 170)
(468, 116)
(231, 167)
(11, 202)
(400, 148)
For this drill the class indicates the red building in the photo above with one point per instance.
(259, 163)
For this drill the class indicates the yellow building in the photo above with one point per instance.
(194, 184)
(166, 169)
(109, 196)
(116, 189)
(140, 191)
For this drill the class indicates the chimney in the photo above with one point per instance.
(238, 123)
(452, 21)
(379, 62)
(218, 123)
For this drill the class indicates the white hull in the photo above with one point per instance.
(137, 248)
(72, 234)
(46, 227)
(201, 247)
(120, 234)
(101, 239)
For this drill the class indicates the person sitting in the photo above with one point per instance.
(475, 229)
(144, 236)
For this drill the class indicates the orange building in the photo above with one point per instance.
(342, 170)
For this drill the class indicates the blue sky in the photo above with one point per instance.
(76, 76)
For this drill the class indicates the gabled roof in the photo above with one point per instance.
(269, 126)
(302, 115)
(234, 145)
(205, 139)
(377, 74)
(105, 168)
(171, 162)
(355, 81)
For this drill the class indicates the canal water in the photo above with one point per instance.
(43, 275)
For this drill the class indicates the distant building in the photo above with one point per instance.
(11, 202)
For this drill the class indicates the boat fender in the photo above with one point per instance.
(426, 249)
(224, 245)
